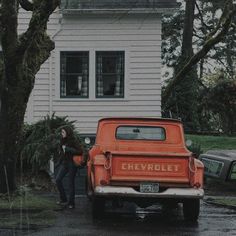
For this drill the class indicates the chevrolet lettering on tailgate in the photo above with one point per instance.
(150, 167)
(144, 160)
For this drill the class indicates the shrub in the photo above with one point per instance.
(196, 149)
(40, 142)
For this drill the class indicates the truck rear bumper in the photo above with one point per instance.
(109, 191)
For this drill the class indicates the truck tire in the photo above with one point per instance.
(191, 209)
(98, 207)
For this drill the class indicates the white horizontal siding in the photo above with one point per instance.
(139, 36)
(106, 108)
(91, 43)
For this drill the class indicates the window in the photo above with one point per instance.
(110, 74)
(212, 167)
(140, 133)
(233, 172)
(74, 74)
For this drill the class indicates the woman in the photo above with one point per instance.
(69, 147)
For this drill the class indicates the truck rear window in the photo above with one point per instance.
(140, 133)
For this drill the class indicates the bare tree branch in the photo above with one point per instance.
(26, 5)
(213, 38)
(202, 19)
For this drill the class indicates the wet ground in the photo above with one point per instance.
(129, 220)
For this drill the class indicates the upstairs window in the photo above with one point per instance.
(74, 74)
(110, 74)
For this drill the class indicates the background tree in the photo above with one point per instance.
(22, 57)
(220, 102)
(183, 98)
(214, 24)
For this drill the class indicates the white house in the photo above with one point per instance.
(106, 62)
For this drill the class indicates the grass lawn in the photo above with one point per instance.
(225, 201)
(26, 211)
(213, 142)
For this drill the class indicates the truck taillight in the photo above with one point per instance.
(197, 185)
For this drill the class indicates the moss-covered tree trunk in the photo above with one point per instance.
(22, 57)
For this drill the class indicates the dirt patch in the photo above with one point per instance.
(42, 182)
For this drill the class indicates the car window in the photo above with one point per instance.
(140, 133)
(233, 172)
(212, 167)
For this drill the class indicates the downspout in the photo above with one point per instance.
(51, 162)
(50, 67)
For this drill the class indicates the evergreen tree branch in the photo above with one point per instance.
(213, 38)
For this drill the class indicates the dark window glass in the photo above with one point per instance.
(140, 133)
(233, 172)
(212, 167)
(74, 74)
(110, 74)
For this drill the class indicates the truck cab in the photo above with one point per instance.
(144, 160)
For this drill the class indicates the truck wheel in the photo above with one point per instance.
(191, 209)
(98, 205)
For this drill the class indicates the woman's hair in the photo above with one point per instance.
(69, 131)
(70, 138)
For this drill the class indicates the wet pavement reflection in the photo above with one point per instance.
(132, 220)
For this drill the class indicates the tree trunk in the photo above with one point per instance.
(187, 45)
(13, 106)
(183, 100)
(23, 56)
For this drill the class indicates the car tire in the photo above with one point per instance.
(191, 209)
(98, 207)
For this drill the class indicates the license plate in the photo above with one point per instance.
(147, 187)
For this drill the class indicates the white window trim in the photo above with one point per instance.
(92, 74)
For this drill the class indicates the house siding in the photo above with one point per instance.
(138, 35)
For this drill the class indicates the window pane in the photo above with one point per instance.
(74, 74)
(109, 64)
(110, 74)
(74, 65)
(140, 133)
(212, 167)
(233, 172)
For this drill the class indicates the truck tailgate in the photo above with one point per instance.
(129, 166)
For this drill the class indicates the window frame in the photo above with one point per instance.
(123, 72)
(60, 73)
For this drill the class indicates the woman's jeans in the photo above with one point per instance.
(71, 169)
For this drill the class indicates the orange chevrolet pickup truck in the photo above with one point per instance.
(144, 160)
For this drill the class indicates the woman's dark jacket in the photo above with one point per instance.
(72, 147)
